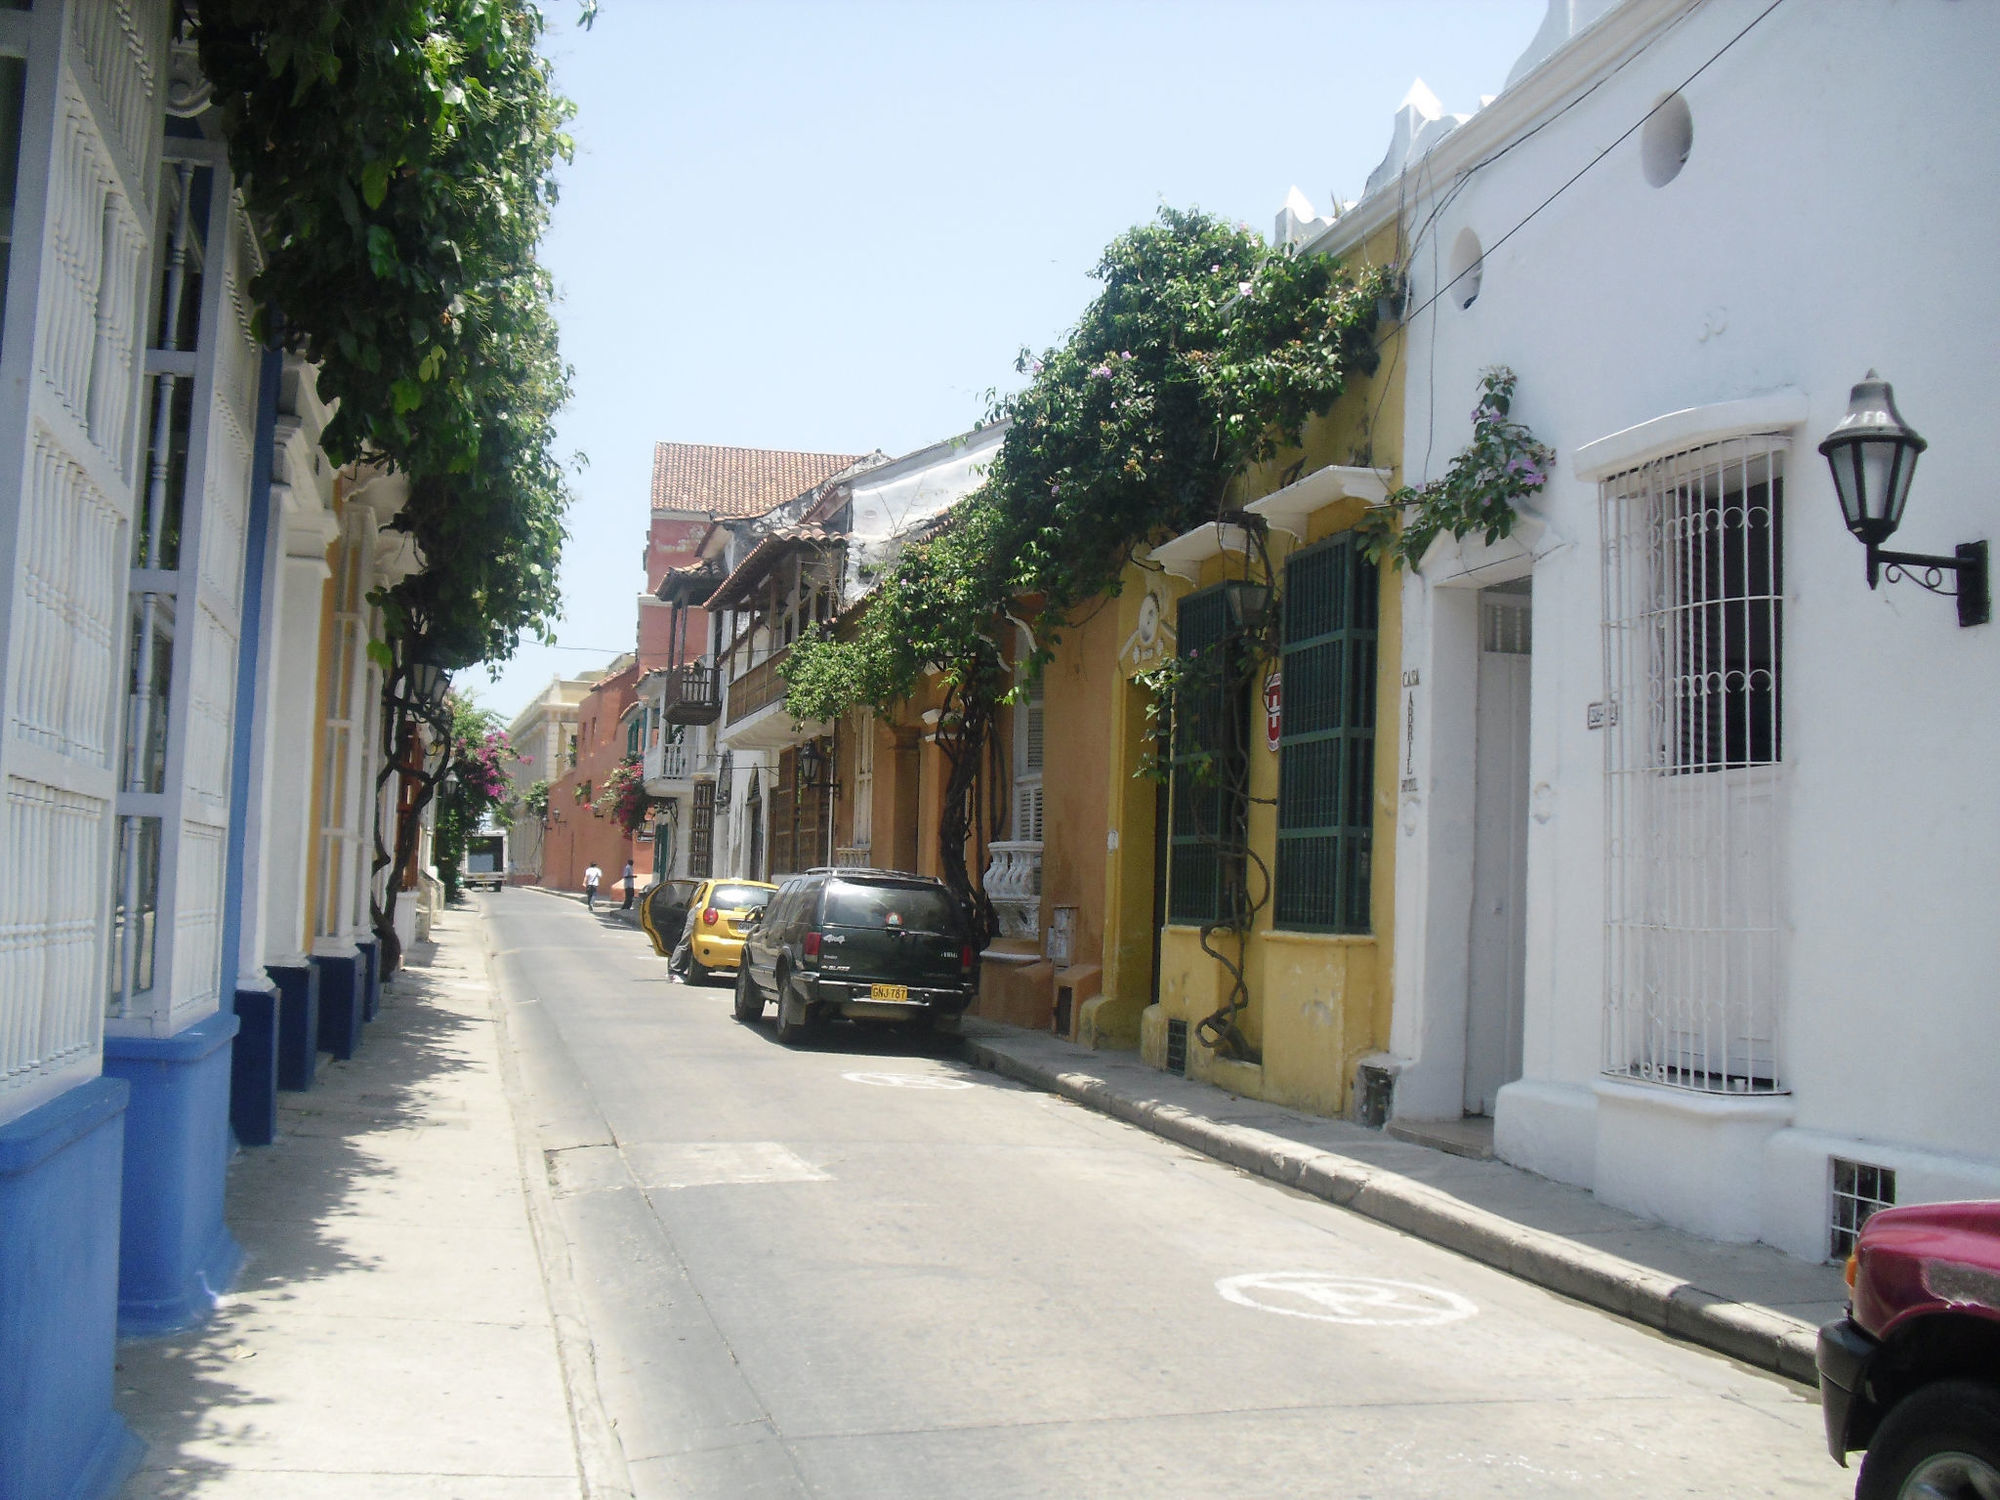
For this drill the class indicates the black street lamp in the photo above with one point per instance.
(428, 683)
(813, 764)
(1873, 455)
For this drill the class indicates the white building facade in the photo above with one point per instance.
(1700, 845)
(166, 548)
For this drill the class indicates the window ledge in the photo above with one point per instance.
(1320, 939)
(1692, 427)
(1692, 1103)
(1184, 555)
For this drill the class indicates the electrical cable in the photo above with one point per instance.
(1574, 177)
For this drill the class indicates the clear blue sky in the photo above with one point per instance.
(830, 225)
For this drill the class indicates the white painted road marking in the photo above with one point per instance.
(909, 1080)
(1363, 1301)
(719, 1164)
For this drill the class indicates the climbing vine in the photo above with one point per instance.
(624, 797)
(1480, 490)
(1205, 351)
(473, 784)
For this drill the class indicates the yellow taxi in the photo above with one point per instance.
(715, 936)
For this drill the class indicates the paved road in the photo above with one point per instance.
(862, 1269)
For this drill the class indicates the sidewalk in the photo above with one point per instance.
(394, 1334)
(1750, 1302)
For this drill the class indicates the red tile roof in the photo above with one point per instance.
(736, 481)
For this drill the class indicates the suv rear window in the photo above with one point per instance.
(740, 897)
(919, 908)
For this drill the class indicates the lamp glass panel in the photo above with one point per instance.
(1883, 490)
(1840, 459)
(1898, 493)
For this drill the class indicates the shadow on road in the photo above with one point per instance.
(861, 1039)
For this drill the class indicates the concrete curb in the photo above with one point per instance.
(599, 1454)
(1755, 1335)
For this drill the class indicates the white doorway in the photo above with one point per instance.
(1496, 988)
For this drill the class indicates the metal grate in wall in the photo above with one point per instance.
(1177, 1047)
(1857, 1191)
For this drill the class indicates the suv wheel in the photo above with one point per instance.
(791, 1012)
(749, 1002)
(1940, 1442)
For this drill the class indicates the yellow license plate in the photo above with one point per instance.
(888, 992)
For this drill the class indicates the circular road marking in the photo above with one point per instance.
(1362, 1301)
(909, 1080)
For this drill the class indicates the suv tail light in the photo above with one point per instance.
(811, 945)
(965, 958)
(709, 917)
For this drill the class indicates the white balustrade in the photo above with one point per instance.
(669, 760)
(1013, 882)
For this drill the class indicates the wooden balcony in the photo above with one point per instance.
(692, 694)
(757, 688)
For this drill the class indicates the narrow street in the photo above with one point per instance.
(862, 1268)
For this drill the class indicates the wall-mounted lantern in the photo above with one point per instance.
(814, 764)
(428, 683)
(1873, 455)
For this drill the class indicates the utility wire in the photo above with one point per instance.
(1626, 135)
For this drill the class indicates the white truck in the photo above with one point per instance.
(485, 861)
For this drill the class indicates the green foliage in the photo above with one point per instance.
(1480, 491)
(535, 800)
(399, 157)
(1204, 352)
(474, 784)
(624, 797)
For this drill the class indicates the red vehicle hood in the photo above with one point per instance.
(1928, 1258)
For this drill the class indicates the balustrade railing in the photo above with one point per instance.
(1013, 882)
(757, 688)
(692, 694)
(670, 760)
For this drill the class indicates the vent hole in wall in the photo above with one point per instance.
(1665, 140)
(1468, 266)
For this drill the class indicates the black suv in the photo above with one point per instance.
(872, 945)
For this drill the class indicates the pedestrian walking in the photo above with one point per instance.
(592, 878)
(631, 885)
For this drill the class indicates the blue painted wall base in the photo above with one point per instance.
(298, 1023)
(60, 1439)
(175, 1254)
(253, 1068)
(340, 999)
(371, 978)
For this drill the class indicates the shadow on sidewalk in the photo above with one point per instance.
(338, 1164)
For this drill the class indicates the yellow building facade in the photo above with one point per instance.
(1079, 858)
(1318, 999)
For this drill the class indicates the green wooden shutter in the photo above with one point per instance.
(1326, 752)
(1203, 767)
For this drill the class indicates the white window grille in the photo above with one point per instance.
(864, 786)
(341, 769)
(1027, 823)
(186, 594)
(1693, 615)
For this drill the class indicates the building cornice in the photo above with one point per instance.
(1553, 83)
